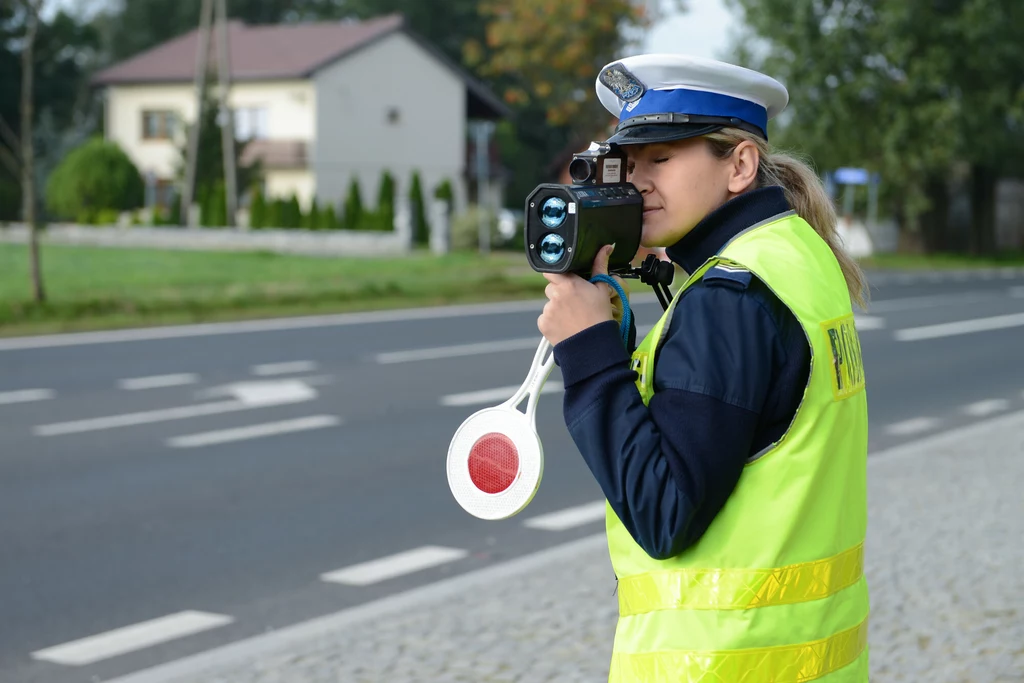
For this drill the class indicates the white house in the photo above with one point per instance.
(319, 103)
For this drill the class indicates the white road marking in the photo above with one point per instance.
(998, 322)
(986, 408)
(248, 397)
(272, 325)
(457, 351)
(394, 565)
(493, 395)
(301, 424)
(912, 303)
(269, 392)
(280, 642)
(914, 426)
(291, 368)
(158, 381)
(133, 419)
(868, 322)
(479, 348)
(568, 518)
(130, 638)
(26, 396)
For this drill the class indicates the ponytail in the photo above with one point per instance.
(804, 192)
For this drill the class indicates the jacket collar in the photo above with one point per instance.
(724, 223)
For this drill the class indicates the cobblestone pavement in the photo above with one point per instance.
(945, 564)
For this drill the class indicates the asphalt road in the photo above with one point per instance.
(167, 491)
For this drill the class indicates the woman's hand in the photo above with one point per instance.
(574, 304)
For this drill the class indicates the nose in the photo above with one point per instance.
(641, 181)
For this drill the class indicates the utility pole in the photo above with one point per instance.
(227, 121)
(209, 14)
(28, 183)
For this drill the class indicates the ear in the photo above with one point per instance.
(744, 160)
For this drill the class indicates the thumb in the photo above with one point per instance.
(600, 266)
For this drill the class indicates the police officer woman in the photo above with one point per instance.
(731, 443)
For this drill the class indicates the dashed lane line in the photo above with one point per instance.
(568, 518)
(130, 638)
(497, 395)
(289, 368)
(26, 396)
(911, 427)
(302, 424)
(998, 322)
(394, 566)
(157, 381)
(986, 408)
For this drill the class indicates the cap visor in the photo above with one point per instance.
(661, 132)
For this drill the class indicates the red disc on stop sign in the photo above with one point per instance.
(493, 463)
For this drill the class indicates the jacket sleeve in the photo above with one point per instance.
(668, 468)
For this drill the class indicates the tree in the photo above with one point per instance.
(550, 51)
(97, 176)
(903, 87)
(210, 159)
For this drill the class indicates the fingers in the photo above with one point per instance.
(600, 266)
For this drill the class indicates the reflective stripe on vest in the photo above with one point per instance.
(694, 588)
(783, 664)
(773, 592)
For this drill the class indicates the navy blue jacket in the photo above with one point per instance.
(728, 378)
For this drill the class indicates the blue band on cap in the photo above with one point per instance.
(699, 103)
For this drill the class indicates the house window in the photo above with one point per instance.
(159, 125)
(251, 123)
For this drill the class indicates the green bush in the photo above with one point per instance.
(420, 226)
(94, 177)
(386, 202)
(444, 191)
(311, 219)
(330, 218)
(257, 210)
(353, 208)
(465, 229)
(293, 213)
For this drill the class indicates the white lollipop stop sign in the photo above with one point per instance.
(495, 459)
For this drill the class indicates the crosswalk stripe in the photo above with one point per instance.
(301, 424)
(130, 638)
(568, 518)
(393, 566)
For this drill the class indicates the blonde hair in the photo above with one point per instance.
(804, 192)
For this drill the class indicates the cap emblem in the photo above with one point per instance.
(624, 84)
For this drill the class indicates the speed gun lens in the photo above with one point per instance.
(552, 249)
(553, 212)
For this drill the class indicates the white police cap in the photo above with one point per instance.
(663, 97)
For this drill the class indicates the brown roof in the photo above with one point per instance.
(257, 52)
(283, 51)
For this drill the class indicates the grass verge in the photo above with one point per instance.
(96, 288)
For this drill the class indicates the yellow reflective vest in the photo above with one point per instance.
(774, 590)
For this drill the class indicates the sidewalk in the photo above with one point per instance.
(944, 560)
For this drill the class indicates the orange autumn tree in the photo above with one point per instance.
(548, 52)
